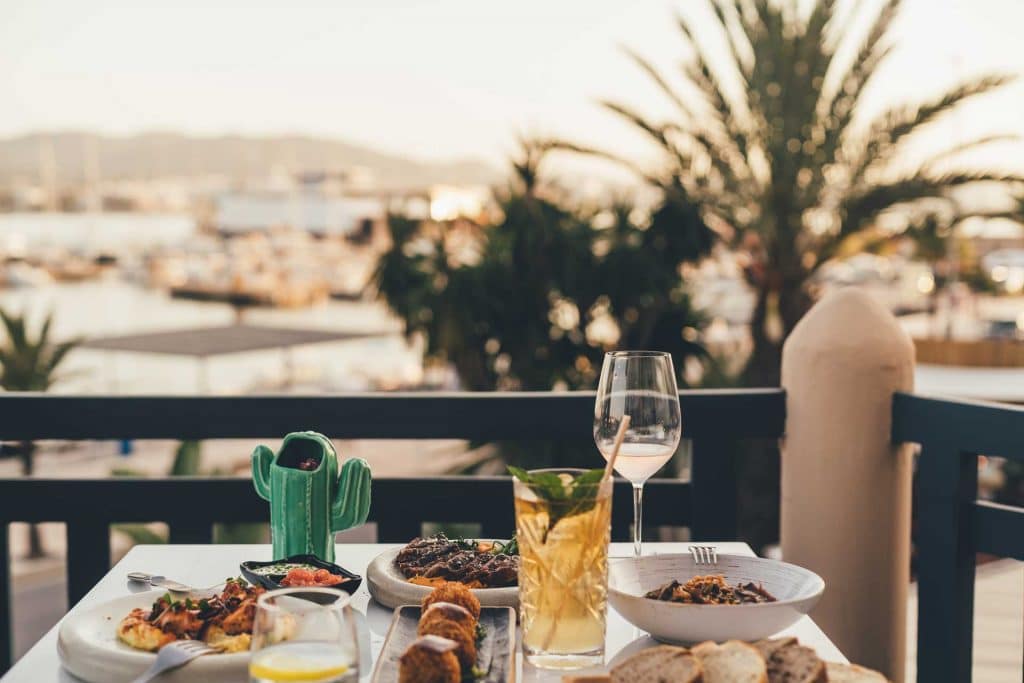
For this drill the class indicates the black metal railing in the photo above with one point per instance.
(952, 524)
(714, 421)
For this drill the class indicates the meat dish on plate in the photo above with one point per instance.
(223, 621)
(476, 564)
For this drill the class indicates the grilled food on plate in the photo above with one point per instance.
(223, 621)
(477, 564)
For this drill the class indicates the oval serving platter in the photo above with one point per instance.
(88, 647)
(389, 587)
(495, 650)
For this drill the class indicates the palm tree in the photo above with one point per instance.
(532, 298)
(30, 364)
(769, 142)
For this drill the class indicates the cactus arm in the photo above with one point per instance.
(351, 504)
(262, 457)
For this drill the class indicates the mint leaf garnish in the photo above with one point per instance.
(564, 499)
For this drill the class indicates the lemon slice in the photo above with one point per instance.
(297, 664)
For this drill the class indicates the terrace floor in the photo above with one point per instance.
(998, 624)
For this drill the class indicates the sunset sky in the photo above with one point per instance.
(429, 79)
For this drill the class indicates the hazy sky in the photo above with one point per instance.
(429, 79)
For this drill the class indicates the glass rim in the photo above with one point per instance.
(602, 489)
(579, 470)
(341, 599)
(637, 354)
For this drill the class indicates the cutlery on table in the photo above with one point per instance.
(172, 656)
(704, 555)
(158, 581)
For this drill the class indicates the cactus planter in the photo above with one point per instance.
(309, 499)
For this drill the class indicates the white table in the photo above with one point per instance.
(204, 565)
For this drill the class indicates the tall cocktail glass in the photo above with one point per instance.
(563, 531)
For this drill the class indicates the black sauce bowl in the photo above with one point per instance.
(272, 581)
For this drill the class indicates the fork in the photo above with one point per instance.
(704, 555)
(173, 655)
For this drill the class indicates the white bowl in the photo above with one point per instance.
(795, 588)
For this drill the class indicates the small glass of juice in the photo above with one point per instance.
(304, 634)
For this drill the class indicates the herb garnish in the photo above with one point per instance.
(564, 499)
(510, 548)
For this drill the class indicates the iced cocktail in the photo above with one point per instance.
(563, 523)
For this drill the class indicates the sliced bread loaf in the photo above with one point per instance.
(851, 673)
(661, 664)
(731, 662)
(790, 662)
(769, 647)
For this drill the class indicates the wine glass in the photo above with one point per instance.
(642, 385)
(304, 634)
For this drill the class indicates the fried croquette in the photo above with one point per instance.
(431, 659)
(447, 611)
(463, 638)
(456, 593)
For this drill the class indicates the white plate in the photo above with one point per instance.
(796, 589)
(88, 647)
(389, 587)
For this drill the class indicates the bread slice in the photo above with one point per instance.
(661, 664)
(790, 662)
(731, 662)
(769, 647)
(851, 673)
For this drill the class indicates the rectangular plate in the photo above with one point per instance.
(496, 653)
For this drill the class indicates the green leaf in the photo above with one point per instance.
(564, 499)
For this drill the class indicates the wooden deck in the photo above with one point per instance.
(998, 624)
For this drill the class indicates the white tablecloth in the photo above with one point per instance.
(205, 565)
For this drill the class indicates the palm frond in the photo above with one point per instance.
(851, 80)
(741, 53)
(706, 80)
(14, 325)
(631, 166)
(660, 81)
(860, 209)
(59, 353)
(928, 167)
(893, 126)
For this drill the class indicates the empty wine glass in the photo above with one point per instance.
(642, 385)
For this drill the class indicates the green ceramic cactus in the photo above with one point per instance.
(309, 501)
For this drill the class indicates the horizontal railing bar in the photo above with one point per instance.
(967, 426)
(483, 416)
(191, 501)
(999, 530)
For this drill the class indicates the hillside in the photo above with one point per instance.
(151, 155)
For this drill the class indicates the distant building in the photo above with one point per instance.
(311, 211)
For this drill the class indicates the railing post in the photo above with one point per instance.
(713, 490)
(947, 487)
(88, 556)
(846, 490)
(6, 617)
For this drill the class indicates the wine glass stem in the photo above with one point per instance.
(638, 517)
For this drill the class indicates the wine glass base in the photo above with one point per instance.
(563, 662)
